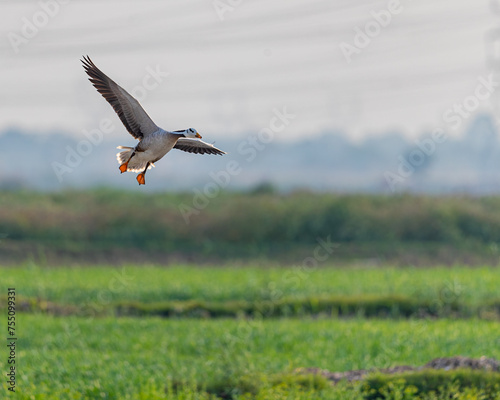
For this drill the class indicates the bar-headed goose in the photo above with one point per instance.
(154, 142)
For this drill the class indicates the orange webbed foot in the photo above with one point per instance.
(124, 167)
(141, 179)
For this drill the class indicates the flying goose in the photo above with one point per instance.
(154, 142)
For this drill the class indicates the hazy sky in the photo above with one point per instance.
(223, 66)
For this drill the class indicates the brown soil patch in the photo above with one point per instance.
(446, 363)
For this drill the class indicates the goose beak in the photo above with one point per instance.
(198, 135)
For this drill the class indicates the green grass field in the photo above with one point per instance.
(124, 358)
(101, 356)
(149, 284)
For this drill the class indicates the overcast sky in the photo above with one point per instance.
(223, 69)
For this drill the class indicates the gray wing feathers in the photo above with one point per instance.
(197, 147)
(130, 112)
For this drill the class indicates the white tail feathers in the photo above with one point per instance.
(135, 164)
(123, 156)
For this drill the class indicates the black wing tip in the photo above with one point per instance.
(96, 76)
(214, 152)
(89, 65)
(86, 61)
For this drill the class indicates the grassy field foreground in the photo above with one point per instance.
(128, 358)
(265, 292)
(96, 355)
(77, 285)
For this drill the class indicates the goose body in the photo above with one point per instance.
(149, 150)
(154, 142)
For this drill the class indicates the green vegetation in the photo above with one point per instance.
(130, 358)
(241, 332)
(338, 306)
(263, 292)
(116, 225)
(381, 386)
(77, 285)
(95, 355)
(92, 330)
(325, 306)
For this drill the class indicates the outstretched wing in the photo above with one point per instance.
(133, 116)
(197, 147)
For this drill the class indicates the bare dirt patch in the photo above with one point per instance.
(445, 363)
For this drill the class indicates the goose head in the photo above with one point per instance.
(191, 133)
